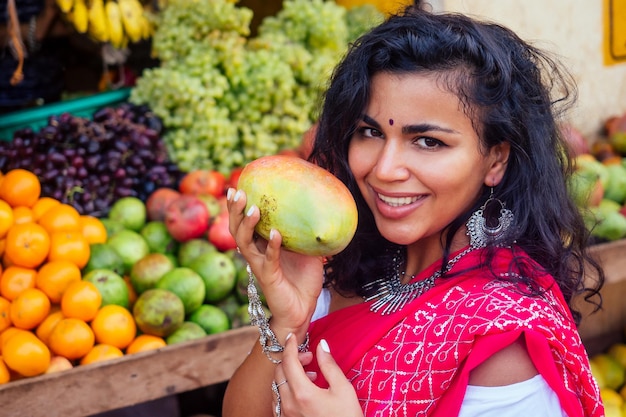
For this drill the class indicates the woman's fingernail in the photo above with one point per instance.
(325, 346)
(290, 334)
(250, 210)
(272, 233)
(237, 196)
(229, 193)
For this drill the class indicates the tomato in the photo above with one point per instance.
(203, 181)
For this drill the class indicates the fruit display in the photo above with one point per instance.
(90, 163)
(226, 98)
(313, 210)
(598, 184)
(76, 289)
(609, 370)
(115, 21)
(114, 236)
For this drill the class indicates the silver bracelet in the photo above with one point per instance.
(269, 343)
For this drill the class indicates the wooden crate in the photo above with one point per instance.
(132, 379)
(600, 329)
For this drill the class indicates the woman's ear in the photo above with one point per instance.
(499, 155)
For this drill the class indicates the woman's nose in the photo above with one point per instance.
(391, 164)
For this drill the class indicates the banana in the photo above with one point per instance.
(116, 28)
(79, 16)
(132, 15)
(98, 26)
(147, 28)
(150, 10)
(65, 5)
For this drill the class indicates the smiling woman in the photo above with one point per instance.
(455, 296)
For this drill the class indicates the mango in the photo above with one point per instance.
(312, 209)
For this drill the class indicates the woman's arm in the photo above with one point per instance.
(291, 284)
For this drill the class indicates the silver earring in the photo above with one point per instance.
(480, 230)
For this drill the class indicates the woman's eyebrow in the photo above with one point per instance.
(411, 129)
(425, 127)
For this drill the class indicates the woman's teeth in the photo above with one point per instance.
(397, 201)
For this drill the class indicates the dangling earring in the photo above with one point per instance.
(481, 232)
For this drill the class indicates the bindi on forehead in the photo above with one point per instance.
(390, 122)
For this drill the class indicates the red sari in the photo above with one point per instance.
(416, 362)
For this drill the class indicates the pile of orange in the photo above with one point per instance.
(50, 319)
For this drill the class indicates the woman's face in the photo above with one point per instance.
(416, 157)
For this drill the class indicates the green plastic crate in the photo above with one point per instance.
(37, 117)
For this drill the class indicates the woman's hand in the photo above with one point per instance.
(291, 282)
(300, 397)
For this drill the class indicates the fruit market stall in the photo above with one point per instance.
(125, 191)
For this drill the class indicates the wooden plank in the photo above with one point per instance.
(612, 257)
(129, 380)
(601, 329)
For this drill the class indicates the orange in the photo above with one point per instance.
(5, 335)
(6, 217)
(42, 205)
(81, 300)
(54, 276)
(69, 246)
(47, 325)
(20, 187)
(60, 218)
(22, 214)
(26, 354)
(29, 309)
(16, 279)
(93, 229)
(27, 245)
(5, 374)
(101, 352)
(114, 325)
(71, 338)
(5, 315)
(145, 342)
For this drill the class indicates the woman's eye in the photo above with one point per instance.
(370, 132)
(429, 143)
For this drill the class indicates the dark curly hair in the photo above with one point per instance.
(514, 92)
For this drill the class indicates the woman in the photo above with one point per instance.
(454, 297)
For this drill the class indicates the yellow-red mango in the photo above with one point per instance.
(312, 209)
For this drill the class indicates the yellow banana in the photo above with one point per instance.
(65, 5)
(132, 14)
(147, 28)
(98, 26)
(114, 19)
(79, 16)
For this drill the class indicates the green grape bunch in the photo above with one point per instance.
(226, 98)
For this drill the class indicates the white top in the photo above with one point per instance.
(532, 397)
